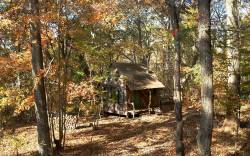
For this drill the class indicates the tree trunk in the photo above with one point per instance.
(204, 137)
(174, 16)
(232, 51)
(139, 23)
(144, 57)
(63, 56)
(39, 89)
(233, 58)
(84, 65)
(60, 113)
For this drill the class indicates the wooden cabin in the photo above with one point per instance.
(133, 88)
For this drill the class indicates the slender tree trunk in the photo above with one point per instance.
(60, 122)
(139, 31)
(84, 65)
(174, 16)
(144, 57)
(204, 137)
(39, 88)
(65, 81)
(62, 85)
(232, 50)
(233, 57)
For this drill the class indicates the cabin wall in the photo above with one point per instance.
(140, 98)
(155, 97)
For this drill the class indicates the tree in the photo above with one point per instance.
(174, 11)
(204, 137)
(39, 88)
(232, 50)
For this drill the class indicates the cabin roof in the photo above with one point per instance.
(137, 76)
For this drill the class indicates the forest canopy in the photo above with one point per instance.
(57, 62)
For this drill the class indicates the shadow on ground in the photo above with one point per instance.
(153, 135)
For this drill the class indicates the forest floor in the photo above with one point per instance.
(146, 135)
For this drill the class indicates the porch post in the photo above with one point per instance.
(124, 90)
(149, 101)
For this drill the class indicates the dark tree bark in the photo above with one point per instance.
(139, 27)
(39, 89)
(62, 84)
(204, 137)
(174, 17)
(139, 22)
(84, 65)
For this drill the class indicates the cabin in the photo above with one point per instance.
(132, 88)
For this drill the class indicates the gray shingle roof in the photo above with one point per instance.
(137, 77)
